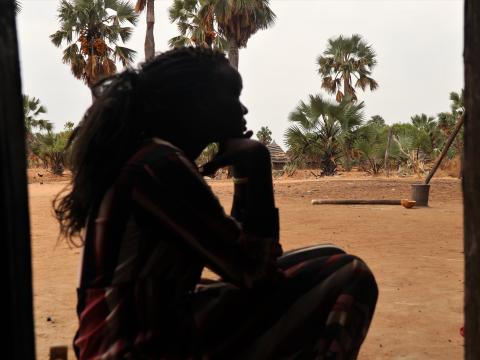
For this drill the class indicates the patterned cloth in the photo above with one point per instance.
(140, 295)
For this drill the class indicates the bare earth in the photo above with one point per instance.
(415, 254)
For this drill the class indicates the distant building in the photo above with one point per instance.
(278, 156)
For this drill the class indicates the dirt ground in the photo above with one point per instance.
(416, 256)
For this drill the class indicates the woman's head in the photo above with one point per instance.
(188, 96)
(187, 92)
(196, 90)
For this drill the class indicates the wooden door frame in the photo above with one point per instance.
(15, 258)
(471, 179)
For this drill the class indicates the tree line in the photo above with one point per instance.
(323, 133)
(326, 134)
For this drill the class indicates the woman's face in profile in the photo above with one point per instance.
(224, 112)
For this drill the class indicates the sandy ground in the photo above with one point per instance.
(415, 254)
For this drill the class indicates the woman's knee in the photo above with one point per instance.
(297, 256)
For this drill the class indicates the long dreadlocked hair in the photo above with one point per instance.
(129, 108)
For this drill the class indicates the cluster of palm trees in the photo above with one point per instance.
(93, 34)
(323, 133)
(44, 147)
(327, 133)
(93, 30)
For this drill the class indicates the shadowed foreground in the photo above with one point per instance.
(415, 254)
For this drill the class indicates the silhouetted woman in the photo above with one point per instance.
(149, 224)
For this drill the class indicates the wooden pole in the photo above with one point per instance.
(404, 202)
(355, 202)
(449, 142)
(471, 179)
(17, 314)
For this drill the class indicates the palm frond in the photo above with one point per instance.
(179, 41)
(125, 33)
(58, 37)
(124, 55)
(125, 12)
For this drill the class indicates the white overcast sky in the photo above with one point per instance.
(419, 45)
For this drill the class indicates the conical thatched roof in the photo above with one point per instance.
(276, 153)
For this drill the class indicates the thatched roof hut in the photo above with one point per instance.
(278, 156)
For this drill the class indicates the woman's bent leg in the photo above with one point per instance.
(322, 311)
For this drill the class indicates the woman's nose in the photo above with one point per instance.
(244, 109)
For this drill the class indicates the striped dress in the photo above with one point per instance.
(141, 295)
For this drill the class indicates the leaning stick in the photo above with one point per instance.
(449, 142)
(404, 202)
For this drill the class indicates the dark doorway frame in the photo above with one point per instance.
(15, 254)
(471, 179)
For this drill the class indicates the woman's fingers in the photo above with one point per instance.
(248, 134)
(245, 154)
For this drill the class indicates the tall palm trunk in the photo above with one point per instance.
(346, 83)
(346, 92)
(149, 38)
(233, 53)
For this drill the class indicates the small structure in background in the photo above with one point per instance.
(278, 156)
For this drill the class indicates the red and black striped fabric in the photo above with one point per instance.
(140, 294)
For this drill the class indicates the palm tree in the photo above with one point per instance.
(372, 148)
(52, 149)
(344, 60)
(428, 130)
(196, 24)
(239, 20)
(149, 38)
(264, 135)
(446, 123)
(458, 104)
(236, 21)
(448, 120)
(376, 120)
(372, 143)
(316, 132)
(350, 120)
(92, 30)
(32, 109)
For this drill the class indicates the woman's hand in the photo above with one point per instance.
(253, 201)
(247, 157)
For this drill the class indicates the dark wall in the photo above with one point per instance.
(471, 179)
(17, 316)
